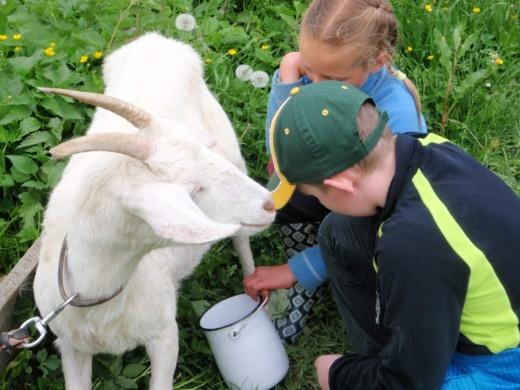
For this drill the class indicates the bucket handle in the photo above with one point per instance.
(234, 333)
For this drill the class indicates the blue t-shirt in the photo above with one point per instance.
(391, 95)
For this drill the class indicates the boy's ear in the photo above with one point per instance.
(343, 181)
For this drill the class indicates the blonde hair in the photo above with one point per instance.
(368, 25)
(366, 120)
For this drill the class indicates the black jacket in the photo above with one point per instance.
(448, 263)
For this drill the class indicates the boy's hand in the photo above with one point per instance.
(291, 68)
(268, 278)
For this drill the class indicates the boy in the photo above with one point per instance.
(421, 249)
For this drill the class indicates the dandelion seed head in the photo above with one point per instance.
(259, 79)
(243, 72)
(185, 22)
(488, 85)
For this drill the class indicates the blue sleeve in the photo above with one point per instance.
(278, 94)
(309, 268)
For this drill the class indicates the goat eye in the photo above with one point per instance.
(197, 190)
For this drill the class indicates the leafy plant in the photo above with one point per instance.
(449, 59)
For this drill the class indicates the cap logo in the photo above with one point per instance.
(325, 112)
(344, 87)
(294, 91)
(286, 131)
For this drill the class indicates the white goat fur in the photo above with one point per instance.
(144, 225)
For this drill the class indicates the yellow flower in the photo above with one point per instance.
(445, 9)
(428, 8)
(49, 52)
(83, 58)
(98, 54)
(3, 37)
(494, 143)
(409, 49)
(17, 37)
(476, 10)
(232, 52)
(499, 61)
(17, 49)
(208, 60)
(265, 46)
(430, 57)
(53, 45)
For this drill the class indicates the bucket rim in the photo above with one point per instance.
(232, 323)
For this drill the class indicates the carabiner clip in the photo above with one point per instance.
(40, 324)
(37, 321)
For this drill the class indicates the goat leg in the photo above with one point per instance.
(242, 246)
(77, 367)
(163, 351)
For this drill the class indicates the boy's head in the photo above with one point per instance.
(319, 132)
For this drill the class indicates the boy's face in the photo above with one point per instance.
(355, 203)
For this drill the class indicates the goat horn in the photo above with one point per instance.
(133, 114)
(128, 144)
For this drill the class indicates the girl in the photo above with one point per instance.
(351, 41)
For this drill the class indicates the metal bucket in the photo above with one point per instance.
(245, 344)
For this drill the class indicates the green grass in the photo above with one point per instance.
(479, 98)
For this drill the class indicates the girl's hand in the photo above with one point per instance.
(322, 365)
(291, 68)
(268, 278)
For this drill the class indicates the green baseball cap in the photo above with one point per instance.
(314, 135)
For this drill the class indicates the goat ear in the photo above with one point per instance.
(172, 214)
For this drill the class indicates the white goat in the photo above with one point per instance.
(141, 218)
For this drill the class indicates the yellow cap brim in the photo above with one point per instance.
(281, 190)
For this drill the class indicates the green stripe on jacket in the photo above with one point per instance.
(487, 317)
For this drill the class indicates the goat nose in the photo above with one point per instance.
(269, 205)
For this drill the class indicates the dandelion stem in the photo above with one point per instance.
(122, 16)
